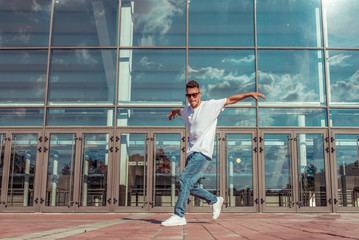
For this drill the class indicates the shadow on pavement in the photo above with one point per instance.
(154, 221)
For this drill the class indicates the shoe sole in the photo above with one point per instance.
(181, 224)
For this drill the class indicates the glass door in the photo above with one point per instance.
(59, 165)
(94, 194)
(277, 172)
(312, 172)
(168, 150)
(294, 171)
(240, 177)
(131, 171)
(345, 150)
(19, 162)
(147, 166)
(76, 175)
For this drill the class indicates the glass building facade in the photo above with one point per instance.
(86, 86)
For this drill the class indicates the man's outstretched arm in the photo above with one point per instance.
(238, 97)
(174, 113)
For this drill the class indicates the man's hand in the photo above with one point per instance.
(174, 113)
(255, 95)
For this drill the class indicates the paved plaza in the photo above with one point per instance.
(199, 226)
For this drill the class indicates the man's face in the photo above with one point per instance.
(194, 97)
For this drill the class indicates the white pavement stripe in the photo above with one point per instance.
(71, 231)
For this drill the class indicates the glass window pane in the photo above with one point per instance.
(85, 23)
(238, 117)
(343, 77)
(152, 76)
(25, 23)
(146, 117)
(153, 23)
(342, 19)
(79, 117)
(292, 117)
(21, 117)
(221, 23)
(344, 117)
(23, 76)
(289, 23)
(82, 76)
(222, 73)
(291, 77)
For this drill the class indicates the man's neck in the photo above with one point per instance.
(197, 105)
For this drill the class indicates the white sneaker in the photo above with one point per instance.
(174, 220)
(216, 208)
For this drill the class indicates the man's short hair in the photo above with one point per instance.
(192, 84)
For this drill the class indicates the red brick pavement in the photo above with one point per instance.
(199, 226)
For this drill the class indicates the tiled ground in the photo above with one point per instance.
(199, 226)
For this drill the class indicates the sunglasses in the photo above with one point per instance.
(193, 95)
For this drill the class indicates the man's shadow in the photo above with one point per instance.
(154, 221)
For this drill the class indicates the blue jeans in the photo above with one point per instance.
(196, 163)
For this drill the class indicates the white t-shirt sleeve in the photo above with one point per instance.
(184, 114)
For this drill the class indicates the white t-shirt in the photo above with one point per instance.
(201, 124)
